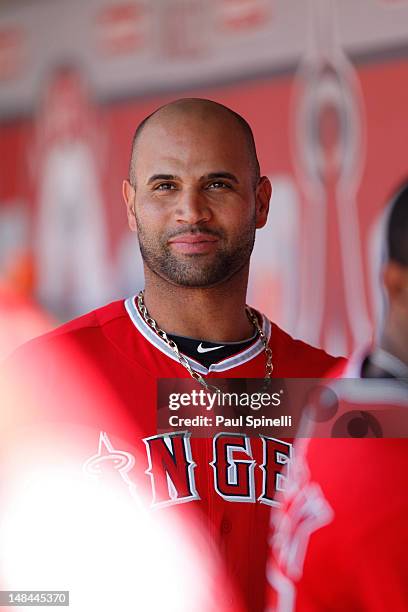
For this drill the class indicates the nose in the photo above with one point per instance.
(192, 208)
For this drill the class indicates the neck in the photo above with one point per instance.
(395, 341)
(215, 314)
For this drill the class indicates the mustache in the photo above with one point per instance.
(193, 230)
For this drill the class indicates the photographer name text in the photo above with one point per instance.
(239, 421)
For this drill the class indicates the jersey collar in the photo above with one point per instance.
(374, 390)
(226, 364)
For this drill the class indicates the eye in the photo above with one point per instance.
(164, 187)
(218, 185)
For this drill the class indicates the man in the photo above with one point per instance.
(69, 202)
(195, 198)
(341, 536)
(389, 359)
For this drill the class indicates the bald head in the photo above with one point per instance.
(201, 111)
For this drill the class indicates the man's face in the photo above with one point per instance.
(196, 206)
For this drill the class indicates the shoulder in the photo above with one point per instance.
(300, 359)
(96, 319)
(83, 331)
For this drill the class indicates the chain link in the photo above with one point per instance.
(182, 359)
(268, 351)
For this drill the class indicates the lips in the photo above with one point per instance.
(194, 243)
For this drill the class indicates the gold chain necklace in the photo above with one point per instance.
(183, 361)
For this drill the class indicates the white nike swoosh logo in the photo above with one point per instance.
(201, 349)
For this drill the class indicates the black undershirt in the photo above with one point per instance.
(220, 350)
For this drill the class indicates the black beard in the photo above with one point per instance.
(195, 270)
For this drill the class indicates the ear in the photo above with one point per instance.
(263, 196)
(395, 278)
(129, 196)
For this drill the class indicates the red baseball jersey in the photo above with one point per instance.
(340, 536)
(229, 482)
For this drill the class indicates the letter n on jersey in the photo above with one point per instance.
(171, 468)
